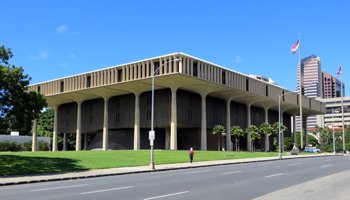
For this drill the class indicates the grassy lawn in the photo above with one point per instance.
(20, 163)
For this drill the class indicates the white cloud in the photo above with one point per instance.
(62, 29)
(237, 59)
(42, 55)
(62, 65)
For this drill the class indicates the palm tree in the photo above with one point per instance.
(253, 131)
(276, 127)
(237, 132)
(267, 130)
(218, 130)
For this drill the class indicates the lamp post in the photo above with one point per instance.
(151, 134)
(279, 125)
(333, 131)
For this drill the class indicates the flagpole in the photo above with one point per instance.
(342, 109)
(300, 98)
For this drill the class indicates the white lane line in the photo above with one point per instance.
(294, 164)
(272, 175)
(326, 165)
(195, 172)
(167, 195)
(57, 188)
(235, 172)
(107, 190)
(327, 160)
(264, 164)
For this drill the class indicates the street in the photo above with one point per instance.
(239, 181)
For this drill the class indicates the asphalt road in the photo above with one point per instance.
(239, 181)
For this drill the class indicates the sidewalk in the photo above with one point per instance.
(130, 170)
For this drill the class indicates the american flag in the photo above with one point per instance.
(339, 71)
(295, 47)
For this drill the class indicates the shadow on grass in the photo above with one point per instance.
(25, 165)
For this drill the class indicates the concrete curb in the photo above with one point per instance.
(165, 167)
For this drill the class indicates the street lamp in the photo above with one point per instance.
(333, 131)
(151, 134)
(279, 125)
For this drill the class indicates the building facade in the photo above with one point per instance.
(333, 115)
(331, 86)
(111, 108)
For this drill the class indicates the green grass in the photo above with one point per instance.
(22, 163)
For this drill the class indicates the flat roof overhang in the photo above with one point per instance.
(179, 81)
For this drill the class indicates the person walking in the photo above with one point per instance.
(191, 154)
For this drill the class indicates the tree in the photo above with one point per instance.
(267, 130)
(253, 131)
(18, 106)
(275, 127)
(237, 132)
(45, 123)
(218, 130)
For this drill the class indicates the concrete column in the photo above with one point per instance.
(173, 125)
(180, 65)
(54, 134)
(85, 140)
(167, 138)
(204, 123)
(249, 140)
(137, 122)
(78, 132)
(105, 124)
(35, 136)
(228, 125)
(64, 141)
(267, 141)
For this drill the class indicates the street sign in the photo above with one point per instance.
(151, 135)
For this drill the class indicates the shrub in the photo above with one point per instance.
(10, 146)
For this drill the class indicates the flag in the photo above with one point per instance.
(295, 47)
(339, 71)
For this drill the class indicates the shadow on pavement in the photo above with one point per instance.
(25, 165)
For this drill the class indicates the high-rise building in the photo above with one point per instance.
(331, 86)
(317, 84)
(311, 84)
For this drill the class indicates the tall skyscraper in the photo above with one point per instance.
(311, 83)
(331, 86)
(317, 84)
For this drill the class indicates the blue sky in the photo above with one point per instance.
(53, 39)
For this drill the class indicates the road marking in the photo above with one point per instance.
(280, 174)
(265, 164)
(235, 172)
(106, 190)
(327, 160)
(294, 164)
(326, 165)
(195, 172)
(57, 188)
(167, 195)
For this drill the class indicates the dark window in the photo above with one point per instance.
(247, 85)
(283, 95)
(88, 81)
(62, 86)
(267, 91)
(156, 66)
(39, 89)
(298, 99)
(120, 75)
(310, 103)
(195, 68)
(223, 77)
